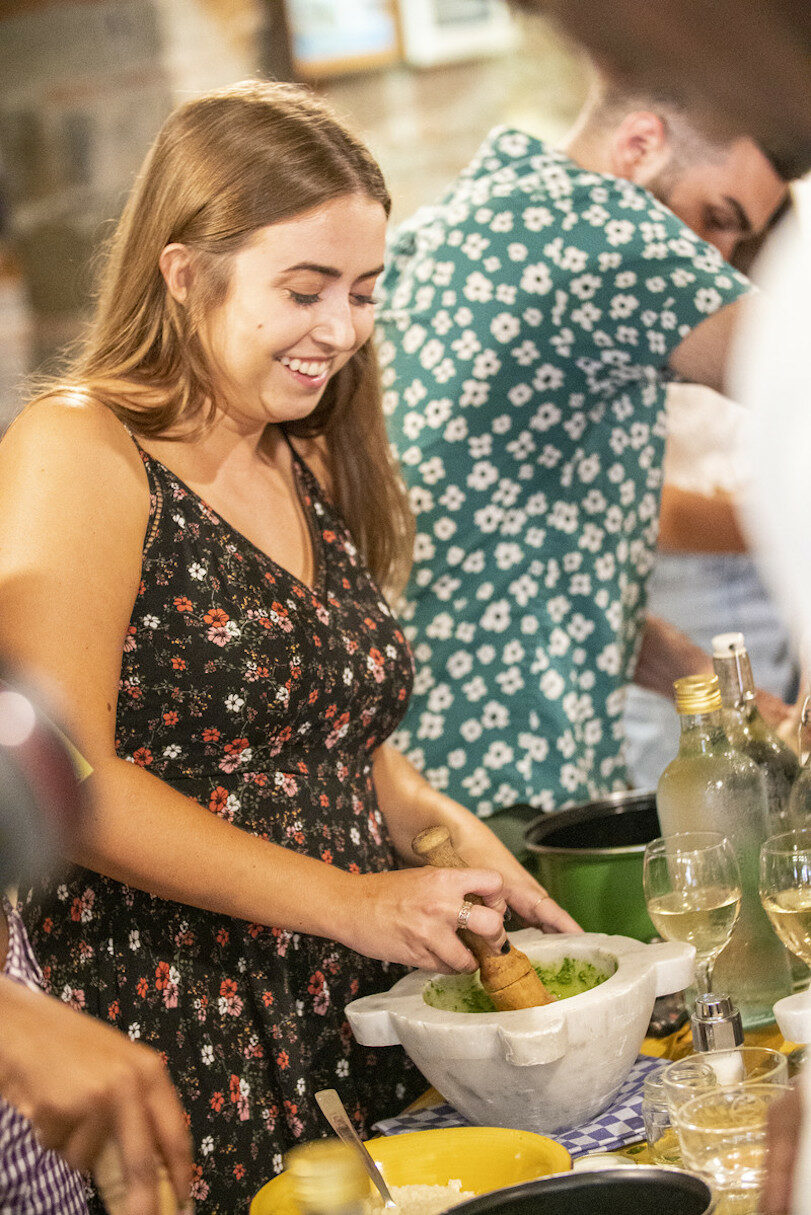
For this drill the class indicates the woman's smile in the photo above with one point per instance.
(312, 373)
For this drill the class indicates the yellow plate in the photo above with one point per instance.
(483, 1158)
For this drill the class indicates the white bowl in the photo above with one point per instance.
(793, 1017)
(536, 1069)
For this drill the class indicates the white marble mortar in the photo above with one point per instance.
(537, 1069)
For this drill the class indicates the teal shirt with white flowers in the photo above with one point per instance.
(525, 324)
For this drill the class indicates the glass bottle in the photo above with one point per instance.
(800, 801)
(327, 1178)
(710, 786)
(748, 732)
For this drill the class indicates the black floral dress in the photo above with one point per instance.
(263, 701)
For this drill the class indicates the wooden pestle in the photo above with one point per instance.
(509, 979)
(109, 1178)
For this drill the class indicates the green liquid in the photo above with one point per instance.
(465, 993)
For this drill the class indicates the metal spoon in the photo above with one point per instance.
(334, 1110)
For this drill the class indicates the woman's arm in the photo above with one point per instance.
(409, 805)
(75, 504)
(666, 654)
(690, 522)
(182, 852)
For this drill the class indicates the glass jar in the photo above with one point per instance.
(663, 1144)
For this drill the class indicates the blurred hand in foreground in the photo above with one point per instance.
(782, 1145)
(85, 1087)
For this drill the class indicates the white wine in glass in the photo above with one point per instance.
(693, 893)
(785, 889)
(790, 913)
(785, 892)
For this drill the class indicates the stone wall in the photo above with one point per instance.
(424, 126)
(85, 86)
(84, 90)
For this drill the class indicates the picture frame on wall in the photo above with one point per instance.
(445, 31)
(336, 37)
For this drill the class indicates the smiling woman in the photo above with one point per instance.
(197, 525)
(224, 169)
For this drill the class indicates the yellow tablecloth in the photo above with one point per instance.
(677, 1045)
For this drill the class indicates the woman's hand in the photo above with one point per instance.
(529, 900)
(409, 805)
(86, 1088)
(411, 916)
(521, 892)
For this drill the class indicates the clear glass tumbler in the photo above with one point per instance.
(722, 1134)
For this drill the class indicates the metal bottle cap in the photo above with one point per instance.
(697, 694)
(716, 1024)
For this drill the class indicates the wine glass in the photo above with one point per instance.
(785, 892)
(692, 888)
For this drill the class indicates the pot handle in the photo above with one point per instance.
(524, 1049)
(370, 1021)
(674, 965)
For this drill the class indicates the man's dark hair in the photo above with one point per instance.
(693, 131)
(742, 63)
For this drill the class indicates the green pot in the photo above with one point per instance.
(589, 858)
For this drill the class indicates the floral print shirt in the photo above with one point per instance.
(525, 325)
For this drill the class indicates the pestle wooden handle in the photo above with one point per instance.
(509, 979)
(109, 1178)
(435, 845)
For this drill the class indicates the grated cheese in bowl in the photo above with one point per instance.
(423, 1199)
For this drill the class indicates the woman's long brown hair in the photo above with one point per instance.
(223, 166)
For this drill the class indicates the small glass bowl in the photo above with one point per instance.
(718, 1069)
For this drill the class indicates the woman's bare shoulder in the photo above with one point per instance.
(71, 415)
(75, 433)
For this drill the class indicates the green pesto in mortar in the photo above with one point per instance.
(464, 993)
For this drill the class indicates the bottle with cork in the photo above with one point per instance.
(711, 786)
(748, 732)
(800, 802)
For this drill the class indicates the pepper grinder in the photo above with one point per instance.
(716, 1025)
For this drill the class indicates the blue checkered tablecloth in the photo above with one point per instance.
(617, 1126)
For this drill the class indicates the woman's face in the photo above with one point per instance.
(299, 305)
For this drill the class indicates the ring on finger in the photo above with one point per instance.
(464, 914)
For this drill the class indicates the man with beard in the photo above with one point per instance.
(529, 321)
